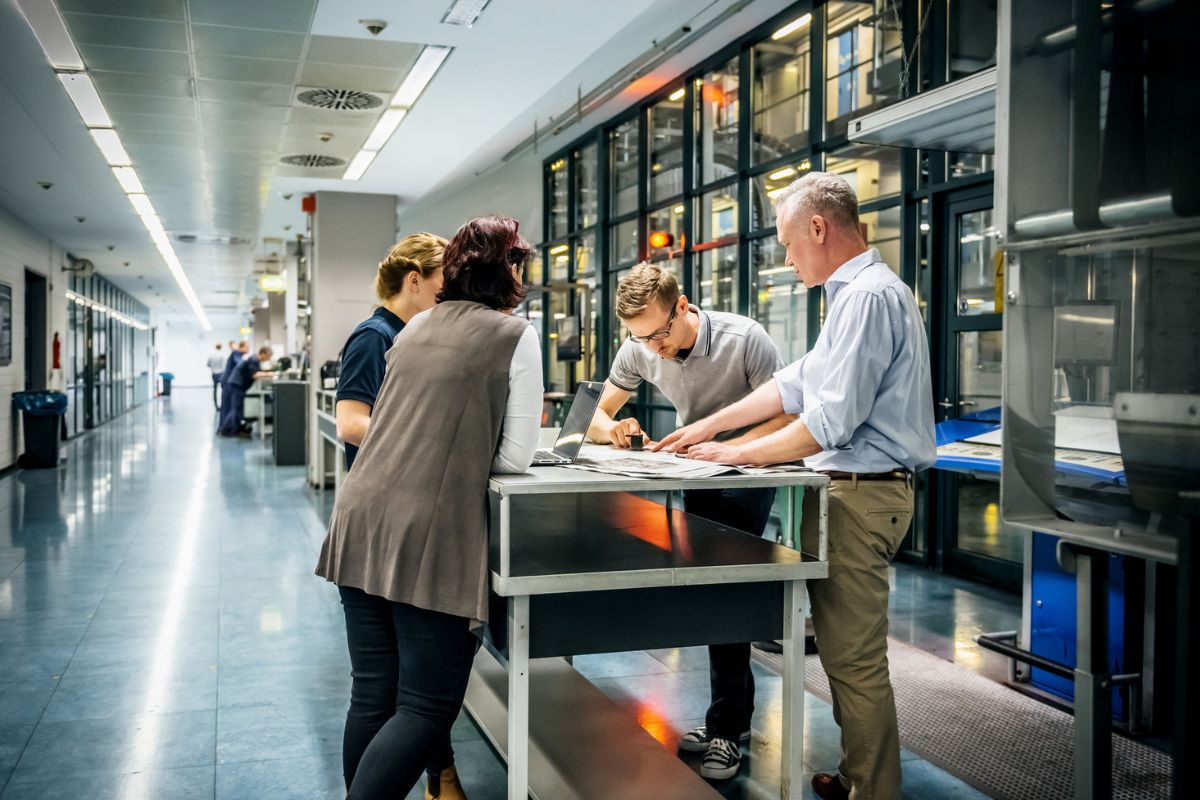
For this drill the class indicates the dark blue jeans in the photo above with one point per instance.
(233, 407)
(410, 669)
(729, 675)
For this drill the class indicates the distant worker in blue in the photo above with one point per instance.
(236, 354)
(406, 284)
(244, 374)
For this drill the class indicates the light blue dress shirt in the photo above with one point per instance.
(864, 389)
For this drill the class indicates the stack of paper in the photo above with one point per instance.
(644, 464)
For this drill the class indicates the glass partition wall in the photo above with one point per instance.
(108, 369)
(687, 179)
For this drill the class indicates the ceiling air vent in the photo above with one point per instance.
(312, 160)
(339, 99)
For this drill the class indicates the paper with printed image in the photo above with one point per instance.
(645, 464)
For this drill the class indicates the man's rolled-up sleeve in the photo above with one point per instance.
(790, 381)
(860, 352)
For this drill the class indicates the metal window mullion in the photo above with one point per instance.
(689, 179)
(745, 125)
(643, 194)
(602, 245)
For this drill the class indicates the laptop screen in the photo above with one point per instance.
(575, 428)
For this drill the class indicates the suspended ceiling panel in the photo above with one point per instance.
(959, 116)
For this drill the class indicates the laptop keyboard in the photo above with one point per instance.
(549, 457)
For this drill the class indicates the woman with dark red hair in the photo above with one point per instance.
(407, 542)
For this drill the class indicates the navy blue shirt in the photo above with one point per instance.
(231, 363)
(243, 373)
(364, 360)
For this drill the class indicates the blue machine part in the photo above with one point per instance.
(1053, 620)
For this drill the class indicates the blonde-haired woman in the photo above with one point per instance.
(407, 283)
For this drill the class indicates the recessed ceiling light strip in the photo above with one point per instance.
(427, 65)
(51, 33)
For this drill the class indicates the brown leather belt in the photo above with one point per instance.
(895, 475)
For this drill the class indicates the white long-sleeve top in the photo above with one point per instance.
(523, 409)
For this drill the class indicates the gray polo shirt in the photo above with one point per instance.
(732, 357)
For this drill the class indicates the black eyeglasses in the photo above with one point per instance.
(658, 335)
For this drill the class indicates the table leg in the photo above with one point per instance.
(789, 535)
(518, 698)
(792, 754)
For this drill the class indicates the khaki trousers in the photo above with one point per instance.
(867, 521)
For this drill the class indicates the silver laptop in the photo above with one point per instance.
(574, 429)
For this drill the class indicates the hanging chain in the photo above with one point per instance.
(906, 59)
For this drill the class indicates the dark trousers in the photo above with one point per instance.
(233, 407)
(410, 669)
(216, 387)
(729, 675)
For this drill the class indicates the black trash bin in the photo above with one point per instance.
(42, 417)
(167, 377)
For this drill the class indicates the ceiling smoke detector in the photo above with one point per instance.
(339, 99)
(312, 160)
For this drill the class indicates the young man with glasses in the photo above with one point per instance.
(702, 361)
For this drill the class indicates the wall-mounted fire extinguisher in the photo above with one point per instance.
(56, 357)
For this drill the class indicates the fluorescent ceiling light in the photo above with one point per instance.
(110, 145)
(141, 204)
(677, 94)
(384, 129)
(86, 99)
(358, 165)
(51, 32)
(791, 27)
(562, 248)
(779, 175)
(153, 224)
(129, 180)
(464, 12)
(420, 75)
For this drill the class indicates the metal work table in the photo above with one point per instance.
(325, 423)
(581, 565)
(260, 390)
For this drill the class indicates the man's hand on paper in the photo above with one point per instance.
(718, 452)
(623, 429)
(684, 438)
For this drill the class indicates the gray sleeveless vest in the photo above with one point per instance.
(411, 522)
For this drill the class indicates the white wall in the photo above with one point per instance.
(513, 189)
(21, 247)
(183, 350)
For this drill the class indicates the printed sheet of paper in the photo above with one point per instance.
(644, 464)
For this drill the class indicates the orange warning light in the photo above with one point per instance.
(660, 239)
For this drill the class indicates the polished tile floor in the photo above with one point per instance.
(162, 634)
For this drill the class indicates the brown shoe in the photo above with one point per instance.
(446, 786)
(829, 787)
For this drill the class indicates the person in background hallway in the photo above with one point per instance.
(244, 374)
(865, 406)
(236, 354)
(216, 365)
(406, 284)
(702, 361)
(408, 538)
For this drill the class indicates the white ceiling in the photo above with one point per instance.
(202, 94)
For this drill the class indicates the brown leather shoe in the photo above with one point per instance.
(829, 787)
(446, 785)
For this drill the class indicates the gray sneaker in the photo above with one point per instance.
(697, 739)
(722, 760)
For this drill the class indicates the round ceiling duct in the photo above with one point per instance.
(340, 99)
(312, 160)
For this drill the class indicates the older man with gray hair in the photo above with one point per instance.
(865, 417)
